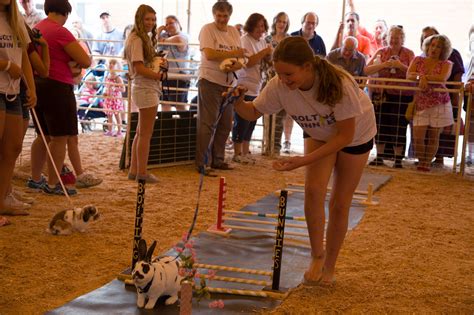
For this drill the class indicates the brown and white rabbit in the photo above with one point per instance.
(155, 278)
(67, 221)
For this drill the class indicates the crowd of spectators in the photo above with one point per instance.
(62, 64)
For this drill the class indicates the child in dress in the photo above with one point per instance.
(113, 97)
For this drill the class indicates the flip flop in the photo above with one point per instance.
(311, 283)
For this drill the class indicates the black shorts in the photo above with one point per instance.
(56, 108)
(358, 149)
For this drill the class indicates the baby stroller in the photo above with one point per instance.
(86, 112)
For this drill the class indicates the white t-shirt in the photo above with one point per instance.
(211, 37)
(316, 119)
(9, 51)
(251, 77)
(134, 52)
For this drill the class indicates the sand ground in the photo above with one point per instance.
(411, 254)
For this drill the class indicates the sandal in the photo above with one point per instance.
(315, 260)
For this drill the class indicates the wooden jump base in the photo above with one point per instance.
(245, 228)
(238, 280)
(264, 215)
(265, 294)
(358, 192)
(235, 269)
(367, 201)
(232, 218)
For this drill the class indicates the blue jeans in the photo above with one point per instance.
(243, 129)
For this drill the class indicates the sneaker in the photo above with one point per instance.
(118, 134)
(149, 178)
(58, 190)
(239, 159)
(247, 159)
(37, 185)
(287, 147)
(87, 180)
(109, 133)
(19, 195)
(205, 171)
(10, 203)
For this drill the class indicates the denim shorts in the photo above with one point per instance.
(11, 107)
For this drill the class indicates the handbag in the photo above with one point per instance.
(410, 112)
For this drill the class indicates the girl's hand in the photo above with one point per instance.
(30, 99)
(14, 71)
(288, 164)
(239, 91)
(40, 41)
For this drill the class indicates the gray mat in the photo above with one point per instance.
(241, 249)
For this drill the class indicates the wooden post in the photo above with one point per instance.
(137, 235)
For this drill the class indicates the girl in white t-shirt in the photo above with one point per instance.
(339, 122)
(14, 64)
(140, 50)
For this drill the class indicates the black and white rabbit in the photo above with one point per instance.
(155, 278)
(67, 221)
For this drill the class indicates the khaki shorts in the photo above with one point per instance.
(145, 97)
(437, 116)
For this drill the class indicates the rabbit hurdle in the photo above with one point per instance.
(272, 289)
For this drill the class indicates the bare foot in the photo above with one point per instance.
(327, 278)
(315, 270)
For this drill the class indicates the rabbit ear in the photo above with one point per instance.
(149, 254)
(86, 215)
(142, 249)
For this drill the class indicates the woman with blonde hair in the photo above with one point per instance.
(140, 51)
(14, 64)
(339, 125)
(433, 109)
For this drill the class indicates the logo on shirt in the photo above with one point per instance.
(6, 41)
(315, 120)
(224, 47)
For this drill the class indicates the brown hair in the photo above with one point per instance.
(396, 29)
(444, 40)
(149, 44)
(275, 20)
(252, 22)
(426, 29)
(222, 6)
(296, 51)
(175, 19)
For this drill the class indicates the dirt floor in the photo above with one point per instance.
(411, 254)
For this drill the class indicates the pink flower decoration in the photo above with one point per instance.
(211, 274)
(184, 237)
(179, 249)
(216, 304)
(188, 245)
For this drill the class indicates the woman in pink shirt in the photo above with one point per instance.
(433, 109)
(57, 112)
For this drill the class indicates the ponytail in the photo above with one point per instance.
(330, 77)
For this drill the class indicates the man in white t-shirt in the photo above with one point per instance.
(218, 41)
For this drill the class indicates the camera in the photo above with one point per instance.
(36, 33)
